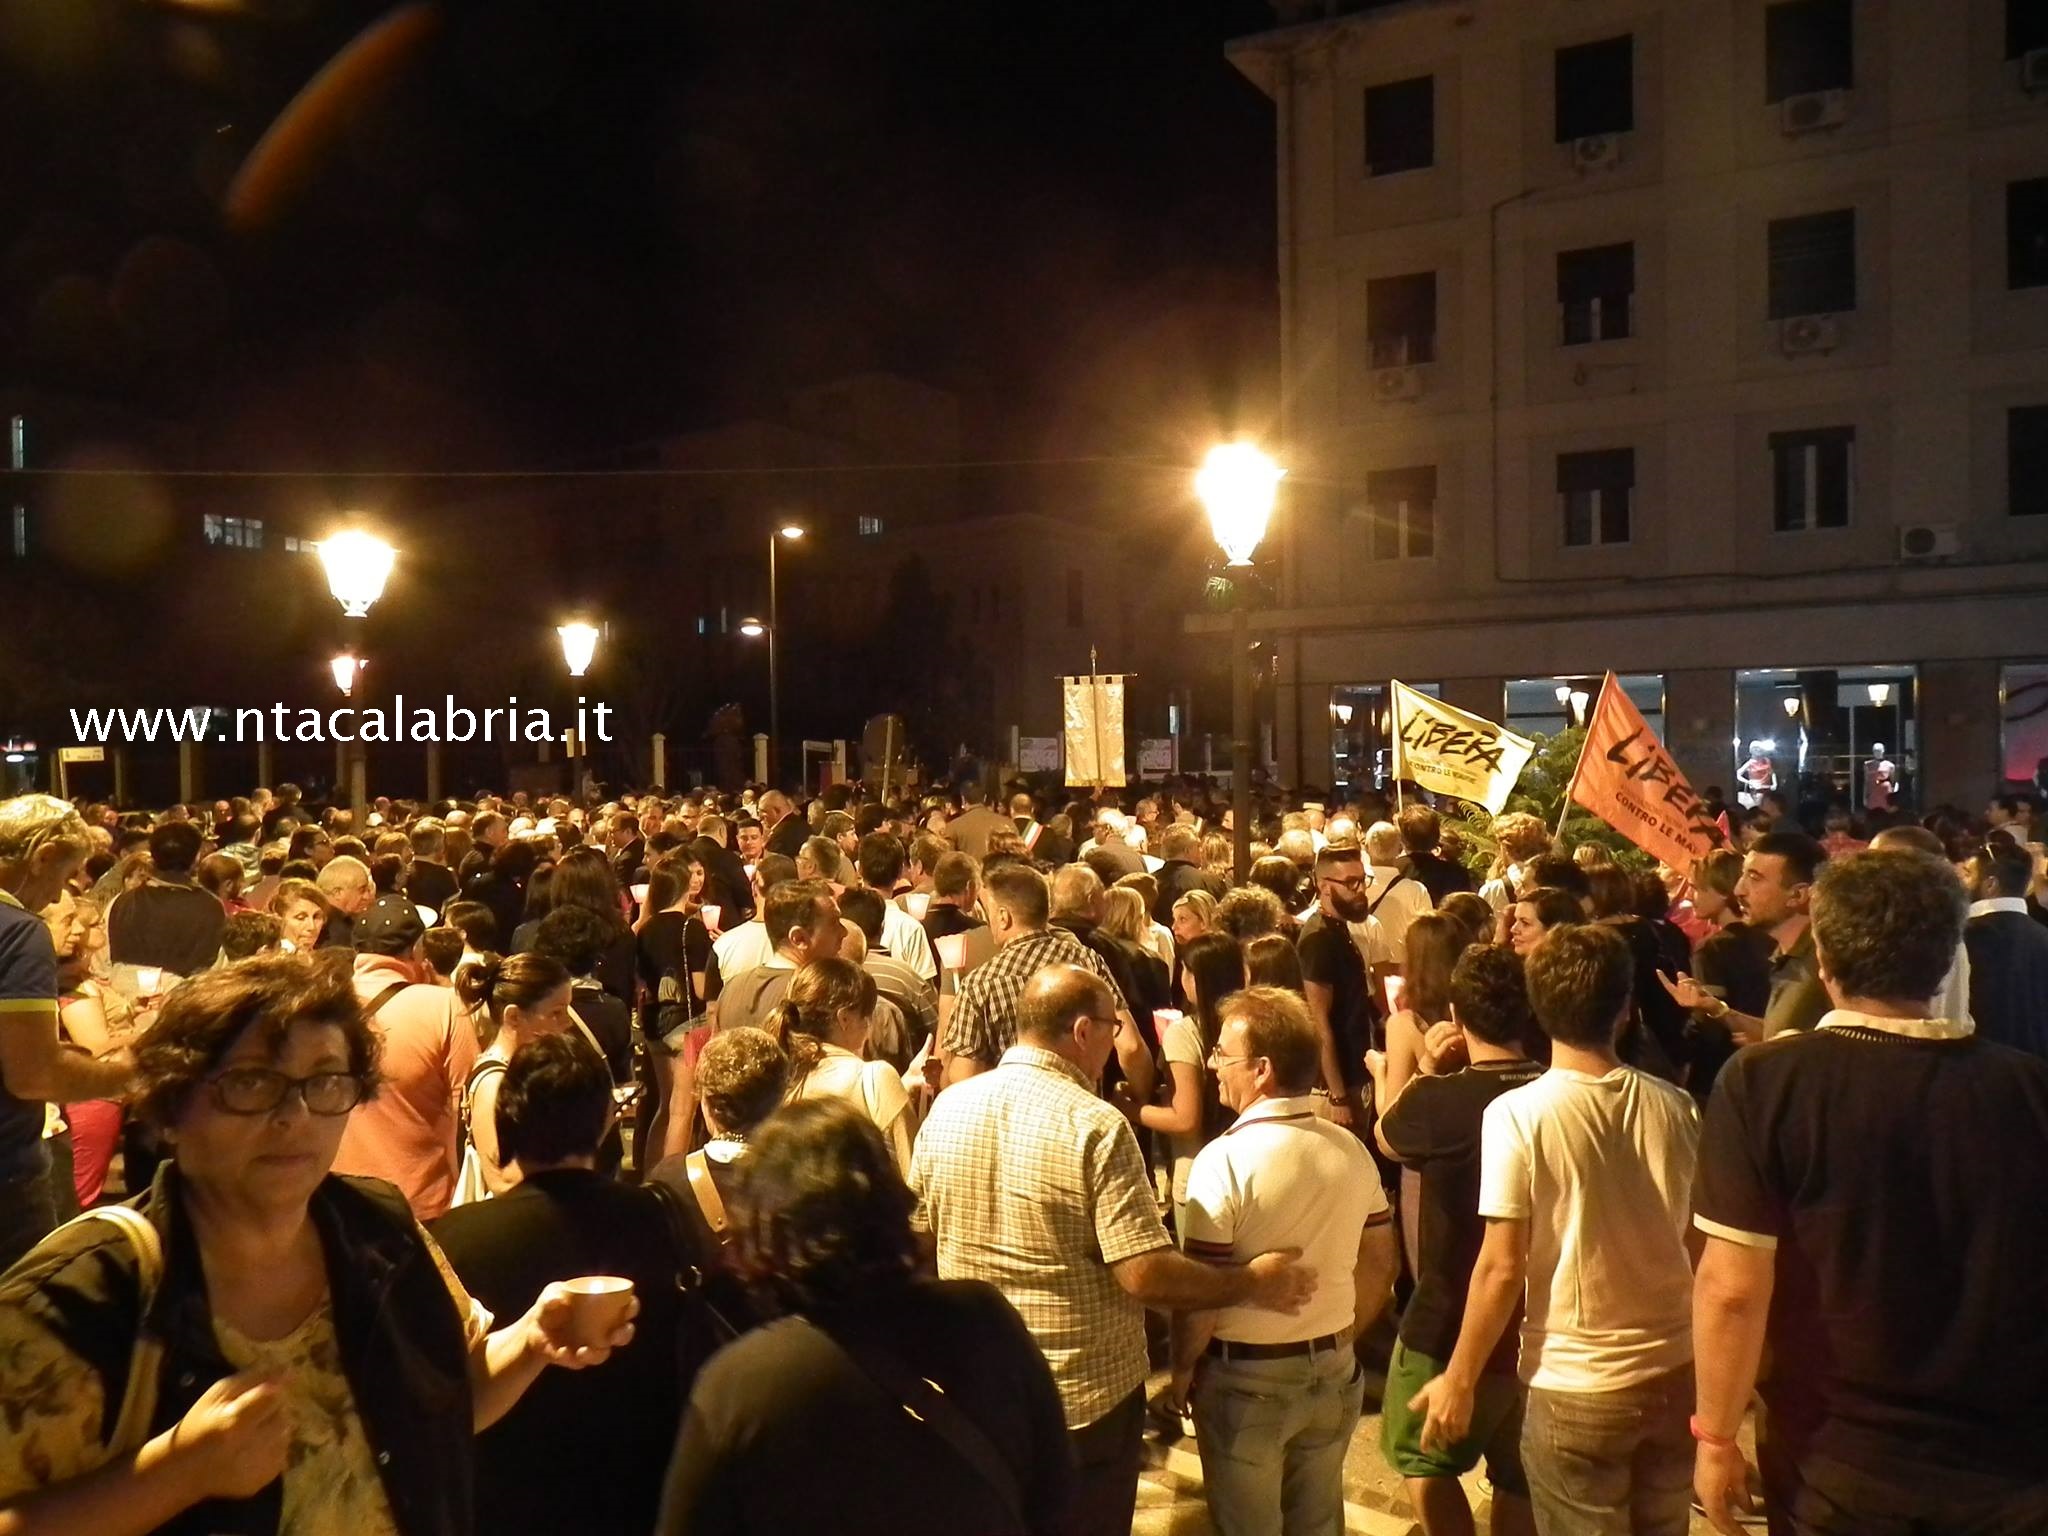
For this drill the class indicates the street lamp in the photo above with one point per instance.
(1880, 694)
(1791, 703)
(579, 645)
(753, 629)
(792, 532)
(1342, 712)
(1237, 484)
(1579, 700)
(358, 564)
(345, 667)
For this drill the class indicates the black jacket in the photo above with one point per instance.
(401, 1341)
(2009, 979)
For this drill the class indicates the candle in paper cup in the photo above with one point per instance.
(917, 904)
(598, 1305)
(711, 913)
(640, 895)
(147, 979)
(1164, 1018)
(953, 951)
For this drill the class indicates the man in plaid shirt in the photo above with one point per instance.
(984, 1020)
(1033, 1183)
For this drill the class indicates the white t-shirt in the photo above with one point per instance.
(1601, 1169)
(1282, 1177)
(873, 1087)
(1182, 1042)
(742, 949)
(1398, 899)
(904, 937)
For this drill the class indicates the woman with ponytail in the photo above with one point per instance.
(822, 1024)
(513, 999)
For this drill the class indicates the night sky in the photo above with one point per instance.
(548, 234)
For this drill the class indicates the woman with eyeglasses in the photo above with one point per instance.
(269, 1347)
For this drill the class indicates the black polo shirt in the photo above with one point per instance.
(1900, 1173)
(1330, 958)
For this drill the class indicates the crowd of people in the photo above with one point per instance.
(717, 1162)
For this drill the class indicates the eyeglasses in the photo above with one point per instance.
(259, 1090)
(1355, 883)
(1114, 1021)
(1218, 1059)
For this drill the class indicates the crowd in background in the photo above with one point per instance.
(1030, 1119)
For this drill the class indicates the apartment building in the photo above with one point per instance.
(1706, 341)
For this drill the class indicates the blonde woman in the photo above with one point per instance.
(821, 1025)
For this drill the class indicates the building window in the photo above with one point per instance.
(294, 546)
(1596, 290)
(1595, 89)
(1402, 507)
(1362, 734)
(1543, 706)
(2026, 461)
(1851, 732)
(869, 527)
(1809, 45)
(1813, 479)
(17, 540)
(2024, 689)
(1076, 617)
(1400, 319)
(1594, 490)
(1400, 126)
(2026, 233)
(233, 532)
(2026, 27)
(1813, 264)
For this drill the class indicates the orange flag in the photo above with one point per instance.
(1627, 779)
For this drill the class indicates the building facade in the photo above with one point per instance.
(1705, 341)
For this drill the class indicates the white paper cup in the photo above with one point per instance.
(711, 915)
(953, 951)
(1164, 1019)
(639, 895)
(598, 1305)
(918, 904)
(148, 980)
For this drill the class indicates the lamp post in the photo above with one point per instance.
(345, 667)
(357, 564)
(786, 531)
(1237, 484)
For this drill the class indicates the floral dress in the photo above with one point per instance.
(50, 1415)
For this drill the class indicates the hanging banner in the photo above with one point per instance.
(1627, 779)
(1449, 752)
(1094, 716)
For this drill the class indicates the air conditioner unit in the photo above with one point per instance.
(1929, 541)
(1812, 111)
(1596, 152)
(1806, 335)
(1397, 384)
(2034, 72)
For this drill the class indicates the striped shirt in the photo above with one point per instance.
(984, 1021)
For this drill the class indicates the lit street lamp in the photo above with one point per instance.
(345, 667)
(1237, 484)
(1880, 694)
(1791, 702)
(358, 564)
(579, 645)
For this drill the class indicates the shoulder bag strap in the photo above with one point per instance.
(698, 1167)
(577, 1019)
(370, 1009)
(138, 1401)
(1383, 895)
(926, 1401)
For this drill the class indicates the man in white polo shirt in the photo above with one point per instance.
(1276, 1398)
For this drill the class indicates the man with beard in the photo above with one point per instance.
(1334, 973)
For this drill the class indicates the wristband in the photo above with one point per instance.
(1706, 1436)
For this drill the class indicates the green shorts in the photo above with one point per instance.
(1496, 1431)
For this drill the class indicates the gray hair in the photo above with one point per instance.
(1383, 842)
(29, 822)
(343, 873)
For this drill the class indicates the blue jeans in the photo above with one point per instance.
(1611, 1463)
(1273, 1434)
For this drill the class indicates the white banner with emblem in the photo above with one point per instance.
(1093, 714)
